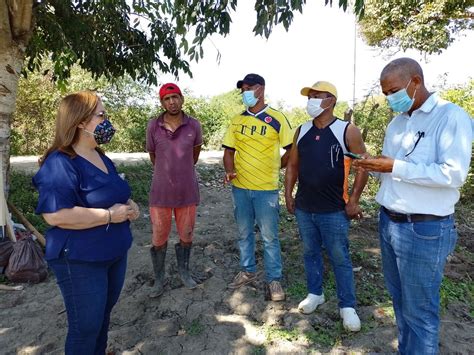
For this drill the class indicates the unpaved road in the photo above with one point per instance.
(213, 319)
(29, 163)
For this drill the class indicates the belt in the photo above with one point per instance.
(411, 218)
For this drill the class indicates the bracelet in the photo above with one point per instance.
(108, 219)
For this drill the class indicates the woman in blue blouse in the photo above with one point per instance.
(89, 208)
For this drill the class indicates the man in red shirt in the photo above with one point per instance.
(174, 142)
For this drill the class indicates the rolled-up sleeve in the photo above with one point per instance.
(454, 145)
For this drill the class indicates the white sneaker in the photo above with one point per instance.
(310, 303)
(350, 319)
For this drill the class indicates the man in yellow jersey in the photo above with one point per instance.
(252, 163)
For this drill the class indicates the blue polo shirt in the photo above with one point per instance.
(65, 182)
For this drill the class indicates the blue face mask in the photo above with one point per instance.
(249, 99)
(400, 101)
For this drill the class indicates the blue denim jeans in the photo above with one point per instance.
(328, 230)
(413, 259)
(261, 207)
(90, 290)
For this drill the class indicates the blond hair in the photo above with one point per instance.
(73, 110)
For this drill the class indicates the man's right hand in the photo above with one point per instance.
(380, 164)
(228, 177)
(290, 204)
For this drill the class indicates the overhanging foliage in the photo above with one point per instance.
(140, 38)
(429, 26)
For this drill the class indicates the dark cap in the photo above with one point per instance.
(251, 79)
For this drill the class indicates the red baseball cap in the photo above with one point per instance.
(169, 88)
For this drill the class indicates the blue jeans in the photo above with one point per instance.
(262, 207)
(328, 230)
(90, 290)
(413, 259)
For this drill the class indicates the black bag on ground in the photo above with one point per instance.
(6, 249)
(26, 262)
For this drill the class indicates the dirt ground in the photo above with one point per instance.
(213, 319)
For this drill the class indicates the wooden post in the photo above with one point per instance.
(27, 224)
(11, 288)
(348, 115)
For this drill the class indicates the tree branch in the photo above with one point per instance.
(5, 32)
(20, 12)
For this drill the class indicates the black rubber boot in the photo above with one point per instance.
(158, 257)
(182, 255)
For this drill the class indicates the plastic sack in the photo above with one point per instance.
(6, 249)
(26, 262)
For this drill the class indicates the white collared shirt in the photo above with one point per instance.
(428, 179)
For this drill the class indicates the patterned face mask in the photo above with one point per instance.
(103, 132)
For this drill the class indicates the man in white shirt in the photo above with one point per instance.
(424, 162)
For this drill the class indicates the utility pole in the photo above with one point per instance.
(354, 70)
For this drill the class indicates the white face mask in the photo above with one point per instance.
(314, 108)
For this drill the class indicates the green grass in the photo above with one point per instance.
(329, 284)
(195, 327)
(273, 333)
(259, 350)
(469, 256)
(24, 197)
(322, 336)
(387, 309)
(297, 290)
(457, 291)
(139, 178)
(370, 288)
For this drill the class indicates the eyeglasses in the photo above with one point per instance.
(102, 115)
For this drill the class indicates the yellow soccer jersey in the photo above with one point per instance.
(257, 139)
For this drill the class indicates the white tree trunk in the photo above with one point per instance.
(11, 61)
(15, 30)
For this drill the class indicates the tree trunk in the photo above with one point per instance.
(348, 115)
(11, 61)
(15, 31)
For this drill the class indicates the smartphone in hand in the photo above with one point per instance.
(353, 155)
